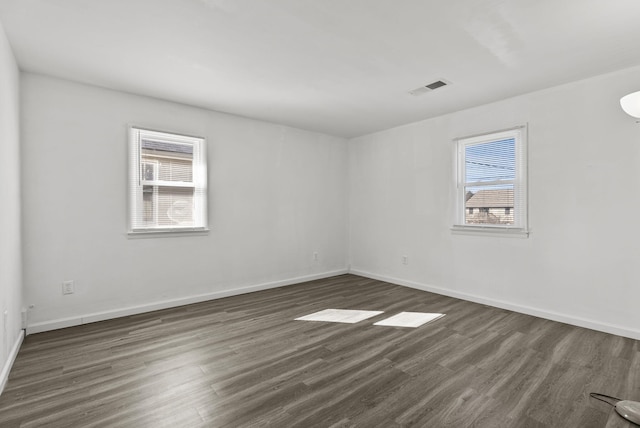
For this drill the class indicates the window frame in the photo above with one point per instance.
(520, 209)
(137, 182)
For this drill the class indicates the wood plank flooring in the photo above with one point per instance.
(244, 362)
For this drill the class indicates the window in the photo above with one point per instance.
(167, 182)
(491, 176)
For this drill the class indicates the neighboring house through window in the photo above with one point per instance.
(167, 182)
(491, 182)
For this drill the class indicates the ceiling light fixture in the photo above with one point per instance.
(631, 104)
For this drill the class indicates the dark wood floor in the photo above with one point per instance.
(244, 362)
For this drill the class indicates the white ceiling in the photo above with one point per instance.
(341, 67)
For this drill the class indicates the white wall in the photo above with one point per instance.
(579, 263)
(277, 195)
(10, 235)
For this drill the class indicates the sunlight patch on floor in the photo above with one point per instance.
(409, 319)
(349, 316)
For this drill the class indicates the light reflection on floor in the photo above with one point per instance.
(349, 316)
(409, 319)
(352, 316)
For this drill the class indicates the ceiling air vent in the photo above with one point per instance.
(428, 88)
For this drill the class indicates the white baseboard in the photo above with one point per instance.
(4, 376)
(541, 313)
(133, 310)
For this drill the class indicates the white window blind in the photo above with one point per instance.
(491, 181)
(167, 182)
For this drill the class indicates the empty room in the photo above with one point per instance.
(299, 213)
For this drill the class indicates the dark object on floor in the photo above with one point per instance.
(630, 410)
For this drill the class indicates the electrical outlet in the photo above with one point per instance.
(405, 260)
(68, 287)
(315, 256)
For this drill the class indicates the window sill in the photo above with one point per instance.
(490, 231)
(166, 233)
